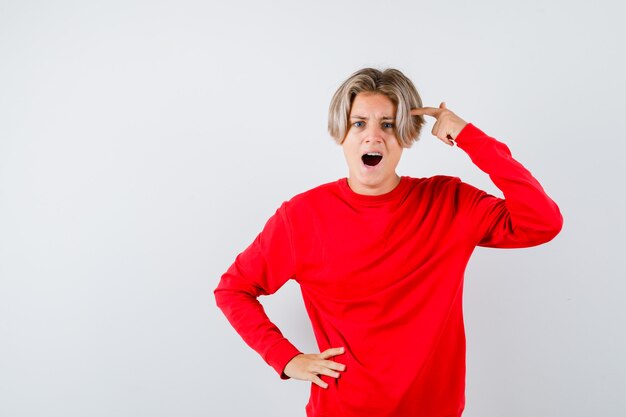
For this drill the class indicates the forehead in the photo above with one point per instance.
(372, 103)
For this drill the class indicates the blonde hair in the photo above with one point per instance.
(391, 83)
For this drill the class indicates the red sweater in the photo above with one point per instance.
(382, 276)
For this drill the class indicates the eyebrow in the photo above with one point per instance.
(367, 118)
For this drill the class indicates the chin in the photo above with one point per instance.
(370, 181)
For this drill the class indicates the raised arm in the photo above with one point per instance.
(526, 216)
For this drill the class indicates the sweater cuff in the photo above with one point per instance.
(467, 136)
(279, 356)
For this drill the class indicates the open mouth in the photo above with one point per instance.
(372, 158)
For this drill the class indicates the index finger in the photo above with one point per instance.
(428, 111)
(329, 353)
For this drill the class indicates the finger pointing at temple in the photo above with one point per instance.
(448, 124)
(426, 111)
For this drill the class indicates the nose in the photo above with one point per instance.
(374, 134)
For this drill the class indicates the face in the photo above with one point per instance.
(371, 148)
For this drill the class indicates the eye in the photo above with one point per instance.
(387, 125)
(358, 124)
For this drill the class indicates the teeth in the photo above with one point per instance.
(374, 154)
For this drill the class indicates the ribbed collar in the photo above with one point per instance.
(371, 200)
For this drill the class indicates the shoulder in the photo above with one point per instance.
(436, 182)
(436, 191)
(315, 196)
(442, 184)
(320, 191)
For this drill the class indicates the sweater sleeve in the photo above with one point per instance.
(525, 217)
(261, 269)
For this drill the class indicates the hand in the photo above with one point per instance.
(308, 367)
(448, 124)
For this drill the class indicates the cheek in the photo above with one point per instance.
(395, 149)
(350, 148)
(397, 154)
(350, 155)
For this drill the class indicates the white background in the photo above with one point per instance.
(144, 144)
